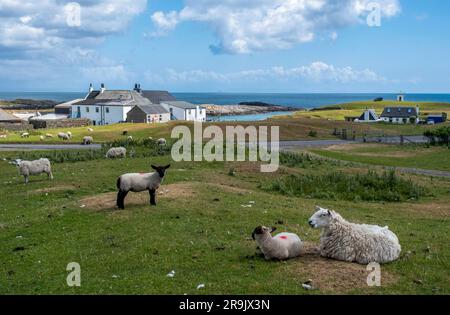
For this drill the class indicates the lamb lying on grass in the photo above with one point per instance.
(115, 153)
(352, 242)
(282, 246)
(27, 168)
(136, 182)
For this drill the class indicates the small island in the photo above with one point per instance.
(246, 108)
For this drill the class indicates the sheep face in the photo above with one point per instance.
(321, 218)
(161, 170)
(261, 230)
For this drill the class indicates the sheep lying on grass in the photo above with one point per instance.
(281, 246)
(88, 140)
(25, 135)
(136, 182)
(49, 136)
(27, 168)
(64, 136)
(116, 153)
(352, 242)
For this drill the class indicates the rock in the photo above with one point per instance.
(418, 281)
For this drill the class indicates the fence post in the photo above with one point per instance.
(402, 140)
(354, 135)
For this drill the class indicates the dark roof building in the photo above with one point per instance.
(148, 114)
(181, 104)
(156, 97)
(400, 112)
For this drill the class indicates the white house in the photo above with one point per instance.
(401, 115)
(180, 110)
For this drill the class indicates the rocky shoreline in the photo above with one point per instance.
(246, 108)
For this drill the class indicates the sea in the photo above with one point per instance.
(300, 100)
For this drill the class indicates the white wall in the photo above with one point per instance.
(115, 115)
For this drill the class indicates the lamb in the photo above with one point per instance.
(64, 136)
(25, 135)
(352, 242)
(138, 182)
(115, 153)
(88, 140)
(162, 142)
(27, 168)
(282, 246)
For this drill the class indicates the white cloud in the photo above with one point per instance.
(245, 26)
(315, 72)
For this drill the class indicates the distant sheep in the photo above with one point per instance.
(64, 136)
(115, 153)
(88, 140)
(27, 168)
(90, 130)
(352, 242)
(3, 136)
(49, 136)
(130, 138)
(42, 138)
(162, 142)
(25, 135)
(281, 246)
(137, 182)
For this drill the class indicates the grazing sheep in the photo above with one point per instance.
(115, 153)
(162, 142)
(281, 246)
(25, 135)
(130, 138)
(69, 133)
(27, 168)
(64, 136)
(88, 140)
(90, 130)
(42, 138)
(352, 242)
(49, 136)
(140, 182)
(3, 136)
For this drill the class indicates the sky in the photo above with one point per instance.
(270, 46)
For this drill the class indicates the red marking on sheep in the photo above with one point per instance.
(284, 237)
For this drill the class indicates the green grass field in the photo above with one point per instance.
(416, 156)
(201, 230)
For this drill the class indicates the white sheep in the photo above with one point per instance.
(88, 140)
(42, 138)
(281, 246)
(352, 242)
(27, 168)
(3, 136)
(90, 130)
(64, 136)
(138, 182)
(130, 138)
(115, 153)
(25, 135)
(49, 136)
(69, 133)
(162, 142)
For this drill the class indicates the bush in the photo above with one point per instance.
(312, 133)
(438, 136)
(338, 185)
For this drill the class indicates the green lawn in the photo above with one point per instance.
(200, 230)
(431, 158)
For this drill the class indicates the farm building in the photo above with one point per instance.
(6, 117)
(148, 114)
(368, 116)
(65, 108)
(184, 111)
(437, 118)
(401, 115)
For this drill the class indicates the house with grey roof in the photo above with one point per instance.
(148, 114)
(369, 116)
(401, 115)
(180, 110)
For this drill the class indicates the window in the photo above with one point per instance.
(97, 109)
(160, 117)
(107, 110)
(388, 110)
(410, 110)
(87, 109)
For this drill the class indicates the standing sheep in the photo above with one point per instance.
(88, 140)
(136, 182)
(27, 168)
(49, 136)
(25, 135)
(90, 130)
(162, 142)
(352, 242)
(115, 153)
(64, 136)
(281, 246)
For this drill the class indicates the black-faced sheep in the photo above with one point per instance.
(352, 242)
(281, 246)
(27, 168)
(138, 182)
(116, 153)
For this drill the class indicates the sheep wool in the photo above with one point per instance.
(27, 168)
(352, 242)
(138, 182)
(64, 136)
(281, 246)
(115, 153)
(88, 140)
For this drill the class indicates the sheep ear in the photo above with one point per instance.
(154, 167)
(329, 213)
(167, 166)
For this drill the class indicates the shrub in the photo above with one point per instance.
(312, 133)
(438, 136)
(337, 185)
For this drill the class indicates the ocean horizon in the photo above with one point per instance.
(300, 100)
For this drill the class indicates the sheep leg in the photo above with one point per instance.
(121, 199)
(50, 175)
(152, 197)
(26, 180)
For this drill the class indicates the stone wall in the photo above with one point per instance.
(16, 126)
(61, 123)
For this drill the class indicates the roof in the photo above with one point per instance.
(404, 112)
(115, 98)
(5, 116)
(153, 109)
(50, 116)
(181, 104)
(68, 104)
(156, 97)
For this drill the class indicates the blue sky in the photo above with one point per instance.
(226, 46)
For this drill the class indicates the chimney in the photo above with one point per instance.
(102, 89)
(137, 87)
(91, 88)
